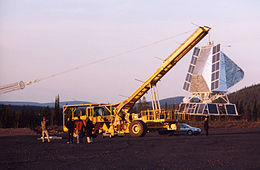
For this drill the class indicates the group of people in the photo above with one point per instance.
(80, 128)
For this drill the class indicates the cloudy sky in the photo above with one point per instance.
(44, 37)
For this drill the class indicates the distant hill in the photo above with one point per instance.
(172, 100)
(169, 101)
(42, 104)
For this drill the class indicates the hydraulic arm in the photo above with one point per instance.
(168, 63)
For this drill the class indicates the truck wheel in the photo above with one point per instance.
(137, 128)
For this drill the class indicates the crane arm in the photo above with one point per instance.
(168, 63)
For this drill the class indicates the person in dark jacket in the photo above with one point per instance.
(89, 130)
(70, 126)
(206, 125)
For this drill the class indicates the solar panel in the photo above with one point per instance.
(193, 60)
(207, 109)
(216, 84)
(182, 107)
(186, 86)
(215, 67)
(196, 51)
(216, 49)
(213, 109)
(191, 69)
(201, 108)
(231, 109)
(213, 77)
(217, 75)
(193, 63)
(191, 108)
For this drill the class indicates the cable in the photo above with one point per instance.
(113, 56)
(21, 84)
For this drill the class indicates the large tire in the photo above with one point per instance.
(137, 128)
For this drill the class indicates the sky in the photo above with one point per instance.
(44, 37)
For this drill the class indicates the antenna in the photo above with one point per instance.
(139, 80)
(123, 96)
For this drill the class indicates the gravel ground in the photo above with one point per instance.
(223, 149)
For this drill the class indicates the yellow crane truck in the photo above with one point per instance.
(117, 119)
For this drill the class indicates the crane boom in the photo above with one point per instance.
(168, 63)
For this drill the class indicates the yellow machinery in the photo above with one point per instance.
(116, 119)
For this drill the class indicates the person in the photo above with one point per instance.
(206, 125)
(89, 130)
(79, 129)
(70, 126)
(44, 130)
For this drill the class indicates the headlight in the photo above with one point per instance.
(173, 126)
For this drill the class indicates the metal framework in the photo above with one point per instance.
(209, 76)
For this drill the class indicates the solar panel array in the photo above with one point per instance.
(207, 109)
(198, 108)
(193, 62)
(215, 67)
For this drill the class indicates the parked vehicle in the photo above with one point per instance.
(186, 129)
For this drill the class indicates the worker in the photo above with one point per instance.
(70, 126)
(89, 130)
(44, 130)
(206, 125)
(79, 129)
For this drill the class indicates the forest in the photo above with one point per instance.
(246, 100)
(29, 116)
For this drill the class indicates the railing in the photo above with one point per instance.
(157, 115)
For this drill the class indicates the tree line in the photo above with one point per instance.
(247, 101)
(29, 116)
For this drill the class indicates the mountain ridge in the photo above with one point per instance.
(169, 100)
(49, 104)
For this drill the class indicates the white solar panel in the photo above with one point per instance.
(215, 67)
(193, 63)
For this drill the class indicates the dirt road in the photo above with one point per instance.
(223, 149)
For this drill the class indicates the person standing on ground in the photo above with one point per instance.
(44, 130)
(70, 126)
(89, 130)
(206, 125)
(79, 129)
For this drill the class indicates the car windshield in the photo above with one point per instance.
(186, 126)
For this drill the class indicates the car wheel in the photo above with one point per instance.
(189, 133)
